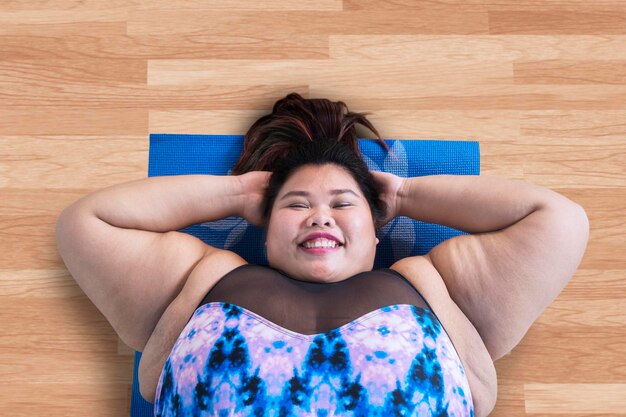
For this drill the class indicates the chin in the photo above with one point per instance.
(308, 277)
(325, 277)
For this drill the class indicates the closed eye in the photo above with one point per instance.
(304, 206)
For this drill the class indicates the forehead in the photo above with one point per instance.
(320, 179)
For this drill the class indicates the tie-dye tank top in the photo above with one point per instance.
(257, 352)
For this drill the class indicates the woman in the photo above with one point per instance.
(318, 329)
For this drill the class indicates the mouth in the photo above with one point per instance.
(320, 250)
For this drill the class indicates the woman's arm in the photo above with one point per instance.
(473, 204)
(162, 204)
(121, 247)
(525, 244)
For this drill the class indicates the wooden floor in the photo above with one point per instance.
(540, 84)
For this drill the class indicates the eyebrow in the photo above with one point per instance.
(306, 194)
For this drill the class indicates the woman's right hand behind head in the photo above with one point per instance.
(390, 188)
(253, 186)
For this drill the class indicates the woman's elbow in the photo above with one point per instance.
(580, 224)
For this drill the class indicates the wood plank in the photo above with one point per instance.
(84, 6)
(321, 71)
(491, 5)
(601, 21)
(86, 71)
(575, 398)
(65, 400)
(458, 20)
(515, 48)
(571, 72)
(596, 284)
(571, 314)
(392, 124)
(572, 354)
(453, 96)
(67, 163)
(510, 399)
(61, 39)
(16, 117)
(114, 110)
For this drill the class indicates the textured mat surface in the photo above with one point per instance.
(176, 154)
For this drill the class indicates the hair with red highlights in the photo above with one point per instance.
(301, 132)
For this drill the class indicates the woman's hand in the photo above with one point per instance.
(253, 186)
(389, 186)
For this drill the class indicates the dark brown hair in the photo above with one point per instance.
(302, 132)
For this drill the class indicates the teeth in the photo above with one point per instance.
(320, 243)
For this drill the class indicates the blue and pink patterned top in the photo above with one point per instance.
(396, 360)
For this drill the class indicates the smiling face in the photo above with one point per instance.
(308, 203)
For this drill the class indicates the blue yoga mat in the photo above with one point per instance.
(176, 154)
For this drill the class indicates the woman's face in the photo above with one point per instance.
(308, 203)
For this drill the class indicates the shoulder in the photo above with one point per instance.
(419, 271)
(477, 362)
(209, 271)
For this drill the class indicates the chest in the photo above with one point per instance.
(309, 307)
(395, 351)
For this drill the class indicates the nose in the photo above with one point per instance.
(320, 217)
